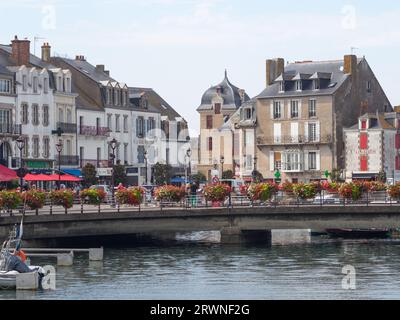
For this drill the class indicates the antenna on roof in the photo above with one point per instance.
(353, 49)
(35, 40)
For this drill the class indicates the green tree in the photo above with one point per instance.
(228, 175)
(162, 173)
(199, 177)
(89, 175)
(257, 176)
(120, 174)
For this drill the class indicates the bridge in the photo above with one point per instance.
(244, 219)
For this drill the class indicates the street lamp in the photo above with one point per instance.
(255, 169)
(20, 146)
(59, 148)
(146, 166)
(187, 172)
(222, 161)
(113, 145)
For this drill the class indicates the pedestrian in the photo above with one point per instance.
(193, 193)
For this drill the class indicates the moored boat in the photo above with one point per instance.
(359, 233)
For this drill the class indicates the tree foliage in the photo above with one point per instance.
(89, 175)
(120, 174)
(162, 173)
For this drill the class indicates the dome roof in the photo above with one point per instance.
(230, 94)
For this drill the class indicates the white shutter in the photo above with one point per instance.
(318, 160)
(288, 107)
(277, 133)
(300, 111)
(318, 131)
(272, 161)
(272, 110)
(294, 131)
(306, 131)
(306, 160)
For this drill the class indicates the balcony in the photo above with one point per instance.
(68, 160)
(67, 127)
(291, 140)
(94, 131)
(10, 129)
(96, 163)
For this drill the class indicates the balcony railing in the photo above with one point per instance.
(94, 131)
(67, 127)
(68, 160)
(13, 129)
(96, 163)
(294, 140)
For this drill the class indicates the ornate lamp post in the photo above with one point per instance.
(59, 148)
(146, 155)
(222, 161)
(113, 145)
(189, 168)
(21, 172)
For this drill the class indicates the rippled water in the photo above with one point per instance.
(212, 271)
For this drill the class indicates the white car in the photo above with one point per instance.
(326, 199)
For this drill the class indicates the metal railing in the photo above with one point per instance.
(94, 131)
(68, 160)
(96, 163)
(67, 127)
(13, 129)
(295, 140)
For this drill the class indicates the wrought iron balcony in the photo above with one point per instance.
(10, 129)
(94, 131)
(67, 127)
(292, 140)
(96, 163)
(68, 160)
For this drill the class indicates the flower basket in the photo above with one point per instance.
(64, 198)
(305, 191)
(34, 199)
(352, 191)
(286, 187)
(169, 194)
(330, 187)
(394, 191)
(132, 196)
(10, 200)
(262, 191)
(216, 192)
(93, 196)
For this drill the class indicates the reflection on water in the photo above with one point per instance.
(212, 271)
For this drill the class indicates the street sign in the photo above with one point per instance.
(278, 174)
(327, 174)
(215, 180)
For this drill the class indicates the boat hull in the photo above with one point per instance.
(359, 233)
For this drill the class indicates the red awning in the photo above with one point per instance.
(7, 174)
(38, 177)
(65, 178)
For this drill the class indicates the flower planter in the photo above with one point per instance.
(216, 204)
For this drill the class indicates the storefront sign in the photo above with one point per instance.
(104, 172)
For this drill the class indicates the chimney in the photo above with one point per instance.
(100, 68)
(350, 64)
(107, 72)
(80, 58)
(274, 68)
(46, 52)
(20, 51)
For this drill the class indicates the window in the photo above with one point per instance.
(398, 141)
(249, 162)
(98, 125)
(369, 86)
(363, 163)
(126, 153)
(292, 161)
(140, 127)
(35, 114)
(312, 161)
(60, 84)
(69, 116)
(109, 122)
(312, 132)
(25, 152)
(210, 144)
(397, 162)
(98, 156)
(24, 108)
(69, 148)
(209, 122)
(45, 115)
(46, 147)
(68, 88)
(248, 114)
(35, 84)
(363, 141)
(277, 110)
(60, 115)
(316, 84)
(5, 119)
(217, 107)
(312, 108)
(277, 133)
(24, 82)
(282, 86)
(116, 96)
(81, 155)
(140, 152)
(36, 147)
(299, 85)
(5, 86)
(117, 123)
(125, 123)
(117, 152)
(294, 109)
(45, 85)
(277, 161)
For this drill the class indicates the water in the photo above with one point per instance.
(211, 271)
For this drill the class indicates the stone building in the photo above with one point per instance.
(373, 147)
(220, 116)
(303, 110)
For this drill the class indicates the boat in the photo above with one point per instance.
(10, 264)
(359, 233)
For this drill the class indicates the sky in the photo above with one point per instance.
(182, 47)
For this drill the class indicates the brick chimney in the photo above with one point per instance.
(46, 52)
(274, 68)
(350, 64)
(100, 68)
(80, 58)
(20, 51)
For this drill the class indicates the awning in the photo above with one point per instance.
(37, 177)
(365, 175)
(179, 180)
(52, 177)
(7, 174)
(73, 172)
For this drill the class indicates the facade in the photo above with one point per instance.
(303, 110)
(373, 147)
(222, 129)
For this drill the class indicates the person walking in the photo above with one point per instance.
(193, 194)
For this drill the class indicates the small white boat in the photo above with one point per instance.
(8, 280)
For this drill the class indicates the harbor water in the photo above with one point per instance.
(202, 271)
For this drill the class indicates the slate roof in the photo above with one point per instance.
(329, 72)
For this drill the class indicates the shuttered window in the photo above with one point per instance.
(363, 141)
(364, 163)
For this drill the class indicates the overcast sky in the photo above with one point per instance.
(181, 47)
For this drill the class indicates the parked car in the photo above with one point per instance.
(326, 199)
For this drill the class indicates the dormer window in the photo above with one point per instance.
(5, 86)
(282, 86)
(217, 108)
(316, 84)
(299, 85)
(248, 114)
